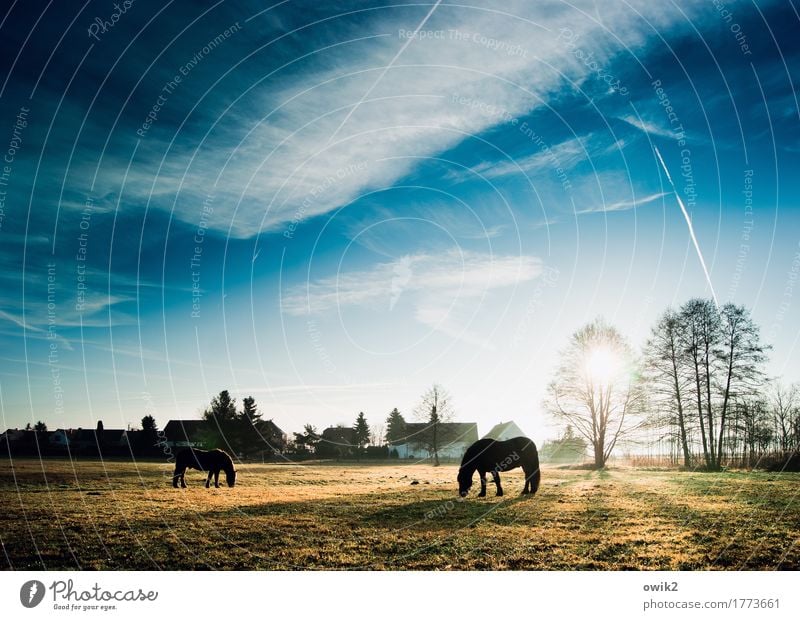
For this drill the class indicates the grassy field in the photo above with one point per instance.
(90, 515)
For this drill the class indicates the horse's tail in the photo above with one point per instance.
(536, 479)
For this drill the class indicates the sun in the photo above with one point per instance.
(603, 364)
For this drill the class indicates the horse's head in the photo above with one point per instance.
(464, 481)
(230, 477)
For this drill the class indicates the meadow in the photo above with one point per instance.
(58, 514)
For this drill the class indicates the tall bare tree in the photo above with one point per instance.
(666, 377)
(434, 409)
(741, 357)
(597, 389)
(700, 336)
(376, 434)
(724, 358)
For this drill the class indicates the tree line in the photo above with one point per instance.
(241, 431)
(434, 409)
(699, 384)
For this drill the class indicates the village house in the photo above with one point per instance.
(185, 434)
(504, 431)
(336, 442)
(452, 439)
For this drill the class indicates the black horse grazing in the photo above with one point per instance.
(212, 461)
(496, 456)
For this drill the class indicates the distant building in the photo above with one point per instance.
(267, 440)
(264, 441)
(186, 433)
(80, 441)
(274, 438)
(453, 438)
(59, 439)
(504, 431)
(24, 441)
(12, 436)
(93, 440)
(336, 442)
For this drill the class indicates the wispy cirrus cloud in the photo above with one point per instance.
(450, 275)
(647, 126)
(636, 202)
(309, 140)
(441, 290)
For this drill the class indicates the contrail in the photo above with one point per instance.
(689, 224)
(385, 70)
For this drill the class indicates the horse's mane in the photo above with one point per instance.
(227, 461)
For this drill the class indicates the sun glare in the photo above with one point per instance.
(602, 364)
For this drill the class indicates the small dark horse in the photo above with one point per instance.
(488, 455)
(212, 461)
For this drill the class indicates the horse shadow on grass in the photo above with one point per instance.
(390, 512)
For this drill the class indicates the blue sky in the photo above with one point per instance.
(330, 214)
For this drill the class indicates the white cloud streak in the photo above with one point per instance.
(282, 167)
(442, 290)
(692, 234)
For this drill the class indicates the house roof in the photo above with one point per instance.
(339, 435)
(184, 430)
(448, 433)
(88, 435)
(273, 428)
(505, 430)
(25, 436)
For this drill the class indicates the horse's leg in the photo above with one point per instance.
(528, 484)
(183, 478)
(496, 478)
(208, 480)
(482, 475)
(178, 475)
(216, 478)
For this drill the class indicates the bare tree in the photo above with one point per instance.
(753, 427)
(376, 434)
(700, 335)
(741, 357)
(434, 409)
(784, 405)
(666, 377)
(598, 389)
(723, 356)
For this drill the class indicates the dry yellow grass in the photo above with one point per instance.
(90, 515)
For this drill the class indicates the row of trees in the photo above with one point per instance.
(39, 427)
(244, 431)
(699, 381)
(434, 409)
